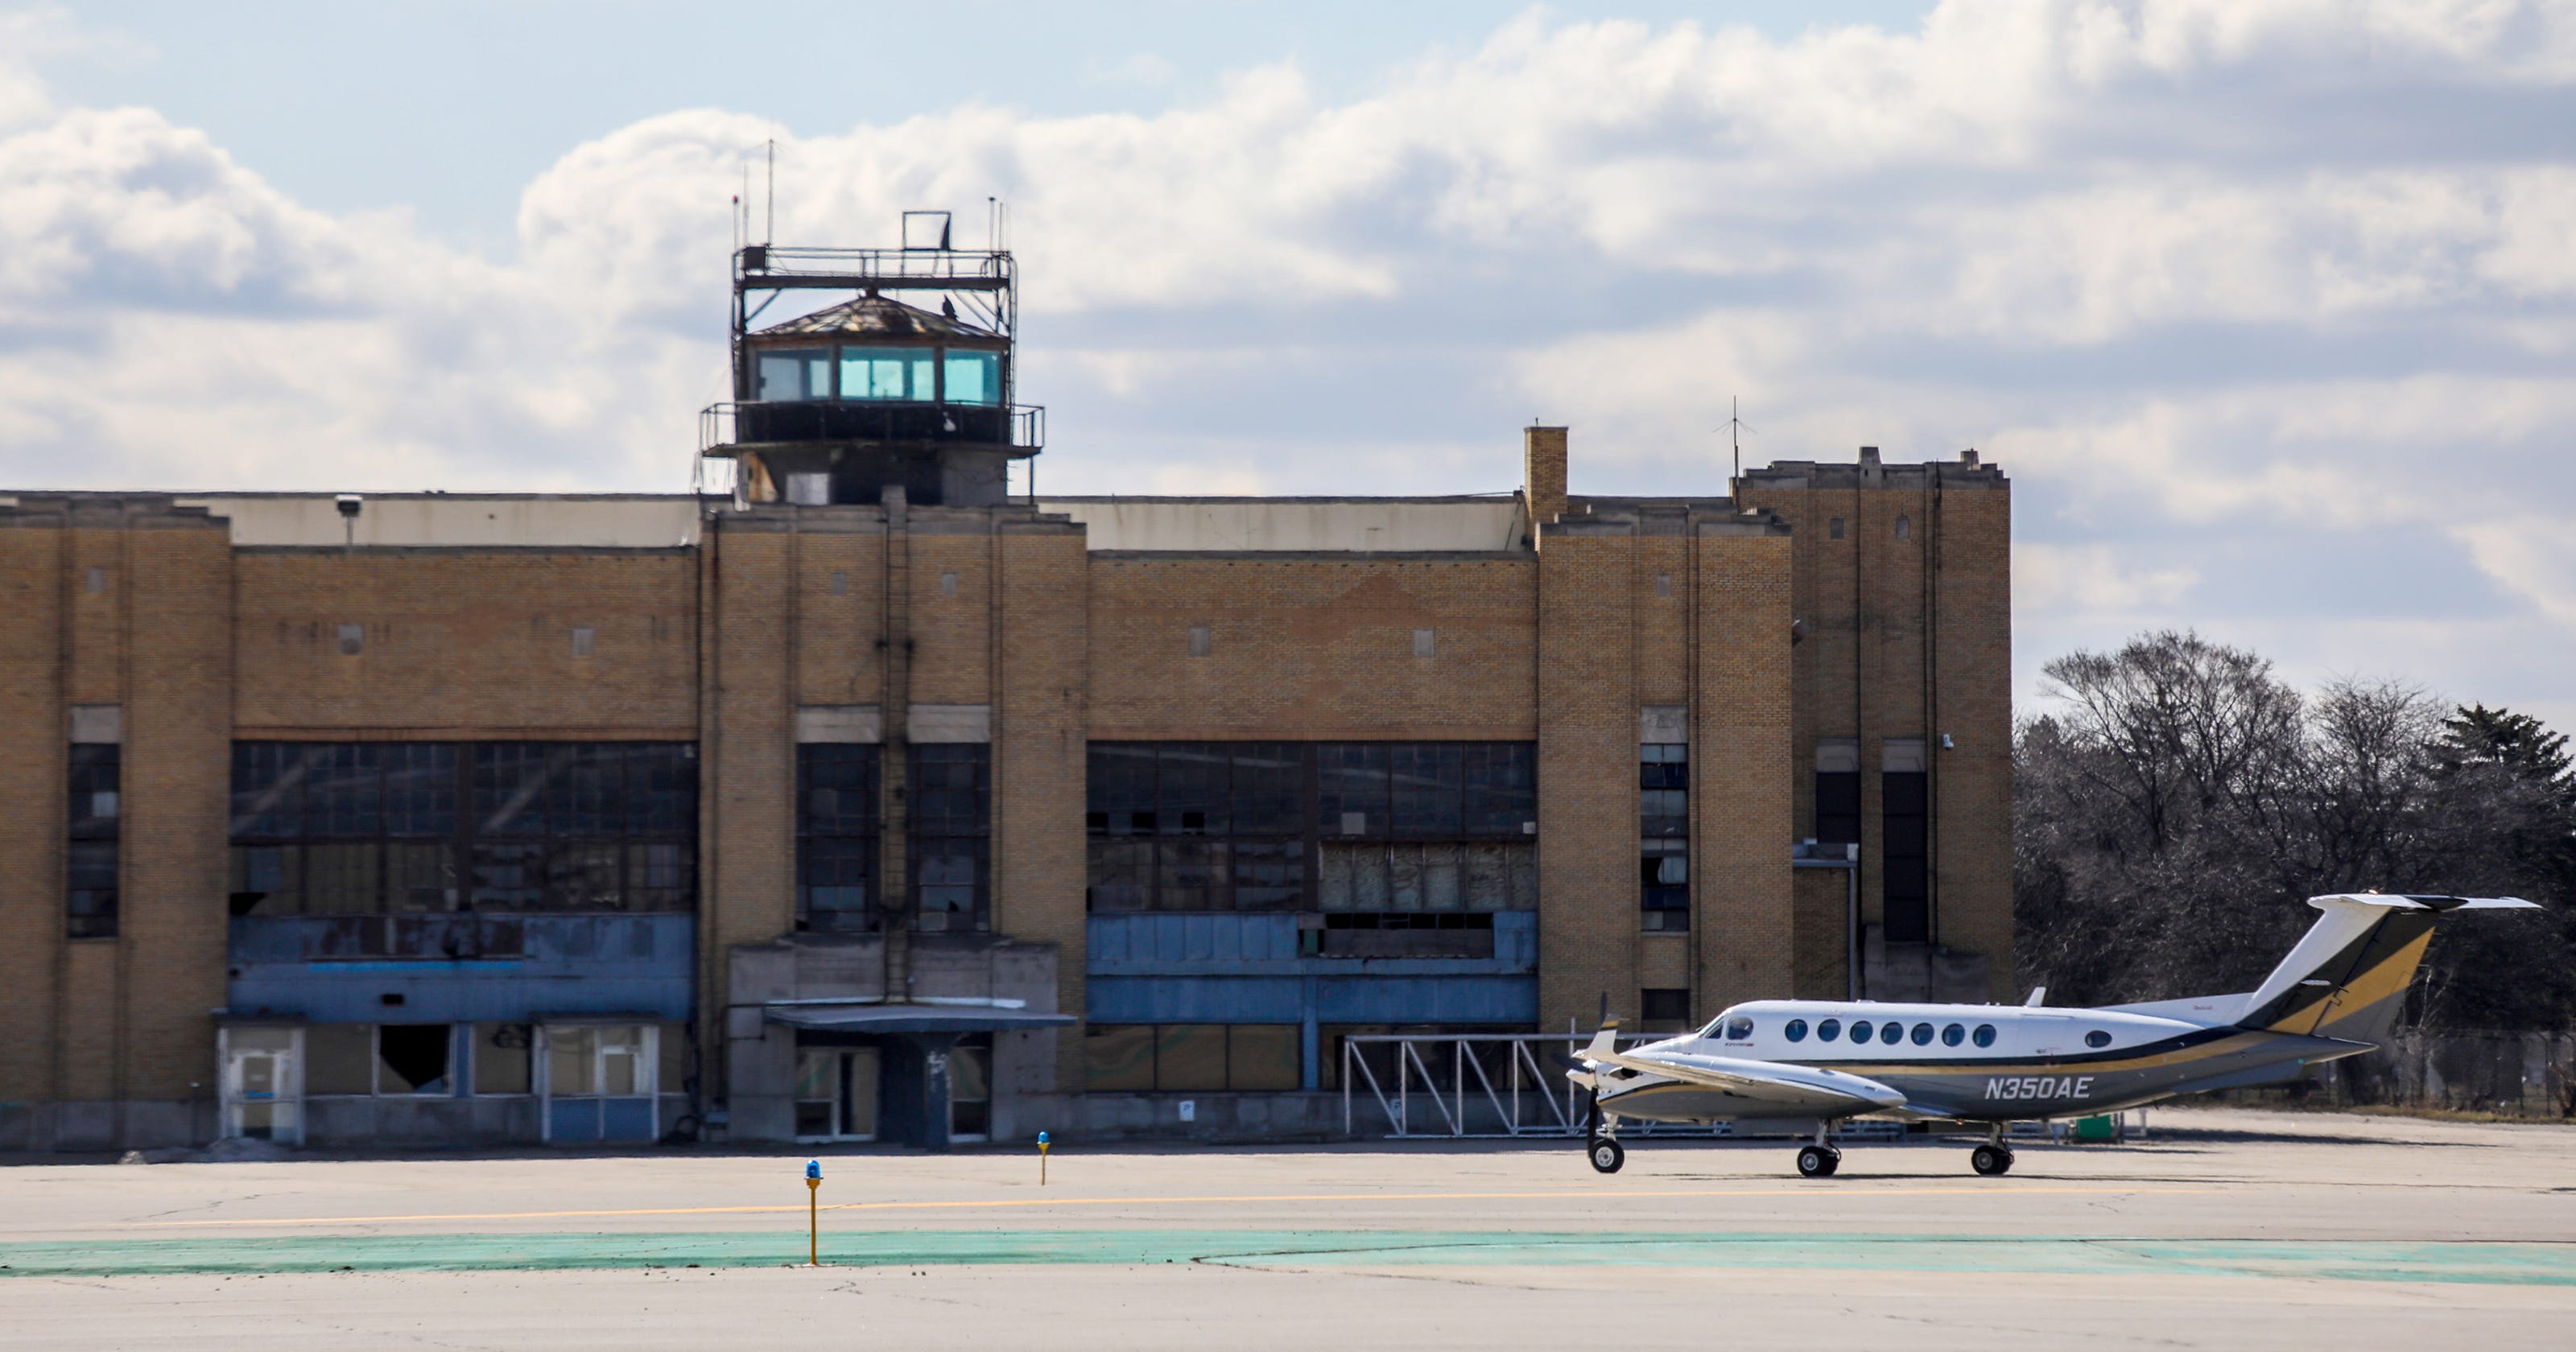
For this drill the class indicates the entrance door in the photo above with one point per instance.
(263, 1085)
(970, 1088)
(836, 1094)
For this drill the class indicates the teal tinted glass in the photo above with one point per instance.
(886, 373)
(974, 377)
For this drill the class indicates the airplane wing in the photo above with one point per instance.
(1771, 1083)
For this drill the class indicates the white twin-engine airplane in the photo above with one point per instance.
(1799, 1066)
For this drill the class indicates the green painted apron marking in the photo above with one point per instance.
(2544, 1264)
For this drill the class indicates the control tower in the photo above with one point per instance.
(905, 384)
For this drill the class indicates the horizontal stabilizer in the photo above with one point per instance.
(2349, 973)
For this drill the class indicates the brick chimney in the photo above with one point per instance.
(1543, 474)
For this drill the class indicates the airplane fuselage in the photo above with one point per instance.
(1973, 1063)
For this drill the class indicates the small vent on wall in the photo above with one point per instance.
(1422, 643)
(1200, 640)
(583, 637)
(353, 639)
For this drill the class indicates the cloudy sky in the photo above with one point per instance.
(2268, 308)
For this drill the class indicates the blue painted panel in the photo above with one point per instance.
(1516, 940)
(1263, 999)
(573, 1120)
(1195, 999)
(626, 1119)
(568, 964)
(1458, 999)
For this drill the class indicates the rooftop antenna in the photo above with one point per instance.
(769, 222)
(1735, 428)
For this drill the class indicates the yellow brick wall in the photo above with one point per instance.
(1312, 649)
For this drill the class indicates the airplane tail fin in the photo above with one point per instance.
(1604, 1042)
(2347, 977)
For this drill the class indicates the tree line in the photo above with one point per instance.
(2178, 801)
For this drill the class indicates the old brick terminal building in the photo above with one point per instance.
(873, 800)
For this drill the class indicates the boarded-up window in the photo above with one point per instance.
(1422, 642)
(583, 636)
(353, 639)
(1200, 642)
(339, 1058)
(501, 1062)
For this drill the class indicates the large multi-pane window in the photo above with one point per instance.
(357, 828)
(950, 840)
(1168, 1057)
(1663, 827)
(1330, 826)
(837, 832)
(90, 858)
(1904, 852)
(879, 373)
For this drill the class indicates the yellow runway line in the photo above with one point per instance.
(995, 1203)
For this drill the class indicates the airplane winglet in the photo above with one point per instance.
(2038, 996)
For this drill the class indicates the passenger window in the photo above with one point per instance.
(1985, 1035)
(1829, 1030)
(1953, 1035)
(2097, 1038)
(1795, 1030)
(1860, 1030)
(1922, 1035)
(1738, 1029)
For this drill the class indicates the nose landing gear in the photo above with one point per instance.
(1606, 1154)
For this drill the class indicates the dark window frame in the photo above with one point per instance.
(839, 838)
(1278, 805)
(452, 827)
(949, 831)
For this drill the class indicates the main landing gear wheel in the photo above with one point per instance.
(1819, 1161)
(1991, 1160)
(1607, 1155)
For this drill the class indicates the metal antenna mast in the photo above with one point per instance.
(769, 220)
(1735, 427)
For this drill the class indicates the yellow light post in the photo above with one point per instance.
(813, 1213)
(1042, 1149)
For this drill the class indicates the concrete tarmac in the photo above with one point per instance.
(2225, 1228)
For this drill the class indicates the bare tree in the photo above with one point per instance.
(2178, 801)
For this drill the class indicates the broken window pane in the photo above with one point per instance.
(501, 1064)
(267, 879)
(509, 877)
(411, 1058)
(584, 878)
(1190, 796)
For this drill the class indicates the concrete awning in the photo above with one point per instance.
(873, 1018)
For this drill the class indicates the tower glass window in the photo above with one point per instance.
(889, 373)
(974, 378)
(796, 373)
